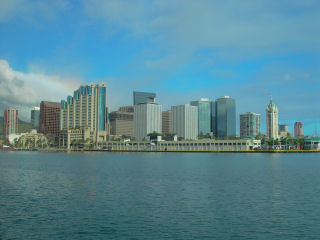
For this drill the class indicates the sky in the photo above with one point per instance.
(181, 50)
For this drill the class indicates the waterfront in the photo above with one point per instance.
(159, 195)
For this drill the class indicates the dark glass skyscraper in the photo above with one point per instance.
(143, 97)
(225, 117)
(35, 117)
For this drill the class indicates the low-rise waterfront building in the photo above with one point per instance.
(207, 145)
(70, 137)
(311, 144)
(33, 140)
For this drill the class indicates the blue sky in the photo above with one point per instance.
(182, 50)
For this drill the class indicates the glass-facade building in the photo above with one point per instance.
(87, 107)
(204, 115)
(225, 117)
(35, 117)
(213, 118)
(143, 97)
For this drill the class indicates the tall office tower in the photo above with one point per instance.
(167, 122)
(49, 123)
(147, 118)
(185, 121)
(249, 124)
(143, 97)
(204, 115)
(87, 107)
(121, 121)
(213, 118)
(272, 120)
(10, 121)
(225, 117)
(298, 129)
(35, 117)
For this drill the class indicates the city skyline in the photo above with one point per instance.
(152, 47)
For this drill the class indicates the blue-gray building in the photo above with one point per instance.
(35, 116)
(204, 115)
(143, 97)
(225, 117)
(213, 118)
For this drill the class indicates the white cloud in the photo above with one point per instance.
(25, 90)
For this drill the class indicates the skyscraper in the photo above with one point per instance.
(225, 117)
(298, 129)
(213, 118)
(50, 118)
(35, 117)
(10, 121)
(167, 122)
(249, 124)
(147, 119)
(272, 120)
(143, 97)
(87, 107)
(185, 121)
(204, 115)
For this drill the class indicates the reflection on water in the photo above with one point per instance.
(159, 195)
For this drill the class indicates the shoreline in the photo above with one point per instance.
(161, 151)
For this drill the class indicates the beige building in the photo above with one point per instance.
(298, 129)
(10, 121)
(121, 121)
(70, 137)
(185, 146)
(86, 108)
(272, 121)
(167, 122)
(30, 140)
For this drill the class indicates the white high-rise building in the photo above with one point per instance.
(185, 121)
(249, 124)
(147, 118)
(272, 120)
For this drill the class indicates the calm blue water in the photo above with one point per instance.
(159, 196)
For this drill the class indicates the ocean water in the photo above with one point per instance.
(159, 196)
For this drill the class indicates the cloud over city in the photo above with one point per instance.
(26, 90)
